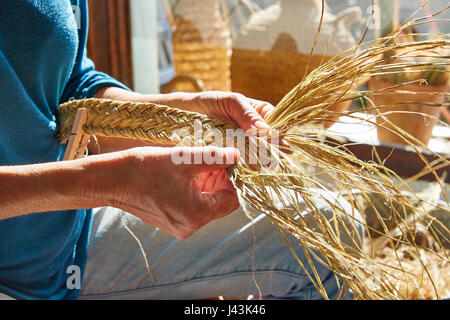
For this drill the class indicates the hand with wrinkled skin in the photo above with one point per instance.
(143, 181)
(177, 198)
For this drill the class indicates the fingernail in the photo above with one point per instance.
(252, 131)
(287, 147)
(285, 143)
(259, 124)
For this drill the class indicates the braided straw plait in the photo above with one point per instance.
(143, 121)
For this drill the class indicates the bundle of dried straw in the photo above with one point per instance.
(336, 170)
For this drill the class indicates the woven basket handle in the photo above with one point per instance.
(196, 84)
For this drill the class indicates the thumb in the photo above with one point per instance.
(248, 118)
(209, 158)
(222, 202)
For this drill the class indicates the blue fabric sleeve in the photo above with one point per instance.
(85, 80)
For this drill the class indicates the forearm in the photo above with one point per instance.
(181, 100)
(77, 184)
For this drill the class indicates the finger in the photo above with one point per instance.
(285, 147)
(201, 179)
(279, 140)
(262, 107)
(213, 181)
(224, 183)
(246, 116)
(200, 159)
(222, 202)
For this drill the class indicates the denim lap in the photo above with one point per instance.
(231, 257)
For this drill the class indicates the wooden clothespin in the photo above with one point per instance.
(78, 139)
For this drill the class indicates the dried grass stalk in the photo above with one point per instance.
(335, 170)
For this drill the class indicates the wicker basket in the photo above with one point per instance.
(271, 54)
(202, 43)
(419, 126)
(187, 83)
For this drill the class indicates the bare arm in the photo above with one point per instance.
(143, 181)
(55, 186)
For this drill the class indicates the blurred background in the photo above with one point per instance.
(132, 40)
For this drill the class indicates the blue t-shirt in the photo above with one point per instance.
(43, 63)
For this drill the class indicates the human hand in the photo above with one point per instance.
(179, 198)
(249, 114)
